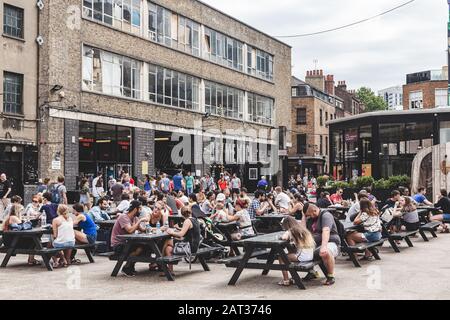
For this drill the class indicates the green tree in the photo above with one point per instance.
(370, 100)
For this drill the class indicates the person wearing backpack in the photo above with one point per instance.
(325, 232)
(59, 192)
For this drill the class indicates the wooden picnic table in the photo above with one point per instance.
(150, 241)
(266, 258)
(107, 226)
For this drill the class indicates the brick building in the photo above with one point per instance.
(312, 107)
(135, 73)
(425, 90)
(352, 105)
(18, 93)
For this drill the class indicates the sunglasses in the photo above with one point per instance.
(35, 201)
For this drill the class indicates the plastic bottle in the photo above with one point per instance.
(43, 220)
(158, 227)
(148, 229)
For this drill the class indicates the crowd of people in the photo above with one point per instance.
(137, 206)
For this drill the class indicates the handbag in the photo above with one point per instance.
(183, 248)
(387, 215)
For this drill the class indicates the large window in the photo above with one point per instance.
(223, 100)
(223, 50)
(12, 93)
(301, 144)
(301, 116)
(173, 88)
(12, 21)
(441, 97)
(259, 63)
(260, 109)
(173, 30)
(416, 100)
(111, 74)
(122, 14)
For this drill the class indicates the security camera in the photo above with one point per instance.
(40, 40)
(40, 4)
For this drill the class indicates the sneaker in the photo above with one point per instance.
(311, 276)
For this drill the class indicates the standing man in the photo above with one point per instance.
(178, 182)
(164, 184)
(5, 193)
(97, 187)
(262, 184)
(59, 192)
(189, 181)
(235, 186)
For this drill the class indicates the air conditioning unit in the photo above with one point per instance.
(40, 4)
(40, 40)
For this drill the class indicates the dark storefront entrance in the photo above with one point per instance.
(19, 163)
(104, 148)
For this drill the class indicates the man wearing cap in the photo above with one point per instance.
(325, 233)
(128, 224)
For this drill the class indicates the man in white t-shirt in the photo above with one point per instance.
(282, 200)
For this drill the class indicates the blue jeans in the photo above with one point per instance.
(189, 190)
(446, 216)
(372, 236)
(64, 245)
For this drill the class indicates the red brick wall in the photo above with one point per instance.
(428, 92)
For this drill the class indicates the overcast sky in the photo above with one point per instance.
(378, 53)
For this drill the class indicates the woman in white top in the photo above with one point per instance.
(302, 240)
(63, 234)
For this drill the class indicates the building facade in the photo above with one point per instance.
(148, 85)
(352, 105)
(384, 143)
(18, 94)
(425, 90)
(393, 96)
(311, 109)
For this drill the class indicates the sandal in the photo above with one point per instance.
(34, 263)
(153, 267)
(75, 261)
(330, 281)
(285, 283)
(367, 258)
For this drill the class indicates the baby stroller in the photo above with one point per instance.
(210, 236)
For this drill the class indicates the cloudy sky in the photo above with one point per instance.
(378, 53)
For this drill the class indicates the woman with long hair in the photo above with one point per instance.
(369, 218)
(63, 234)
(303, 242)
(85, 198)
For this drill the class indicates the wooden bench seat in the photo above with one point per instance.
(255, 254)
(429, 227)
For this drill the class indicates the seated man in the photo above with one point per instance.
(98, 213)
(128, 224)
(256, 208)
(325, 233)
(336, 198)
(124, 204)
(282, 200)
(420, 197)
(444, 205)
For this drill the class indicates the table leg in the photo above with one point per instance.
(122, 258)
(45, 257)
(294, 274)
(203, 263)
(240, 268)
(10, 251)
(154, 248)
(270, 260)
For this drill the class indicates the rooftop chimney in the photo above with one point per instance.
(329, 84)
(342, 85)
(316, 79)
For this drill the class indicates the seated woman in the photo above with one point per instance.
(159, 214)
(408, 215)
(369, 218)
(221, 214)
(242, 217)
(31, 211)
(190, 232)
(444, 205)
(63, 235)
(11, 223)
(303, 245)
(88, 232)
(296, 207)
(209, 205)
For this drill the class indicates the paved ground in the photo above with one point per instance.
(421, 272)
